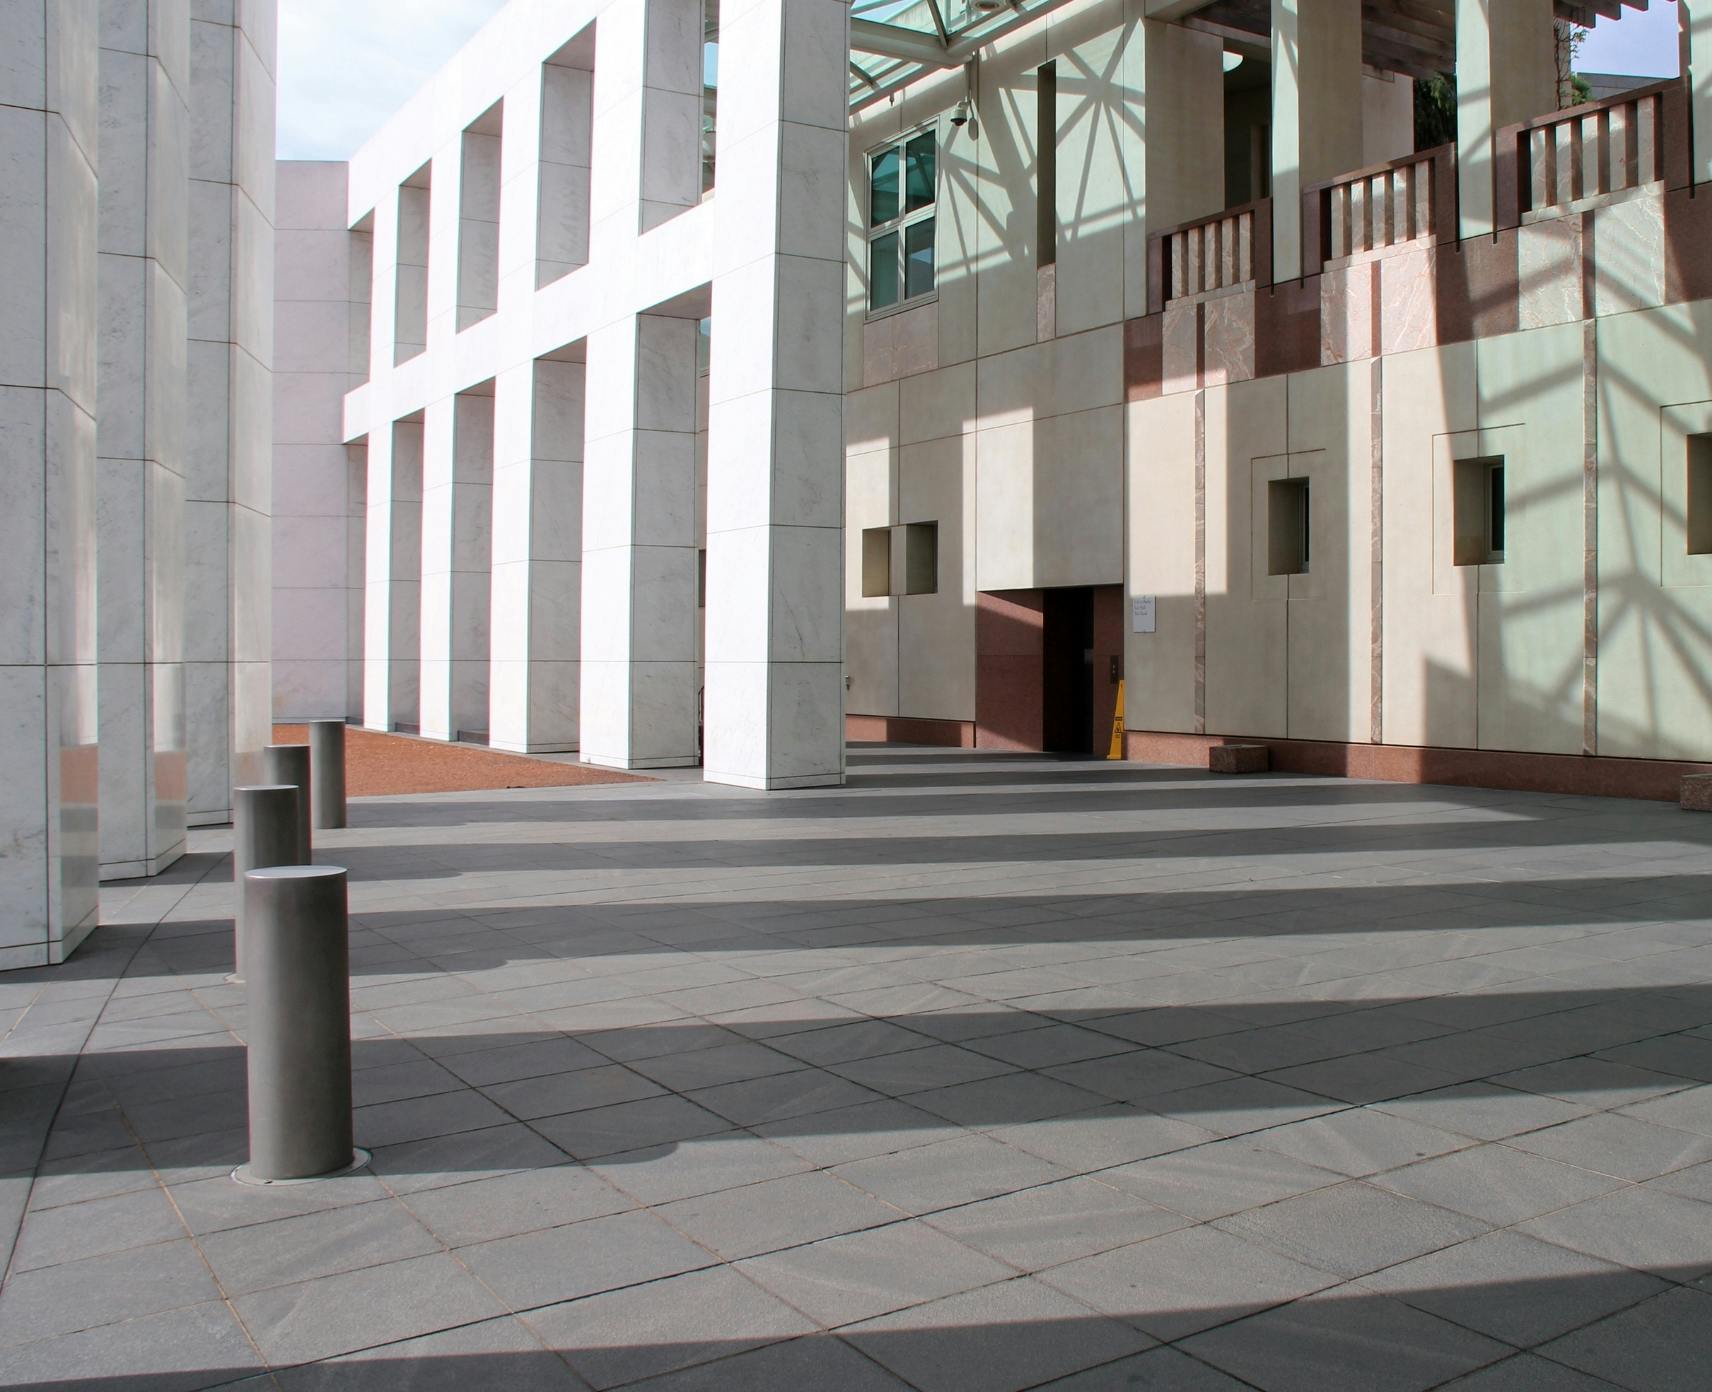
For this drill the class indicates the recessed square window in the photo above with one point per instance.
(1699, 495)
(876, 562)
(921, 557)
(1478, 503)
(1287, 527)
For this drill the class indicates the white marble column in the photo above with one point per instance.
(457, 550)
(144, 254)
(392, 611)
(638, 705)
(775, 614)
(537, 556)
(228, 475)
(318, 480)
(1696, 22)
(48, 679)
(1316, 113)
(1506, 71)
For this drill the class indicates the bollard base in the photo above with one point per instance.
(359, 1160)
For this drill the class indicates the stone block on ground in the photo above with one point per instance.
(1238, 758)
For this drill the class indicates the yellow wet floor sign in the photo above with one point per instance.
(1116, 751)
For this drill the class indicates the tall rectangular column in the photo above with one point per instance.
(392, 557)
(774, 705)
(1506, 71)
(638, 676)
(145, 132)
(229, 465)
(457, 551)
(1316, 113)
(537, 556)
(49, 778)
(1696, 22)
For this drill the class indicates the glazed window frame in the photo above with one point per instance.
(902, 222)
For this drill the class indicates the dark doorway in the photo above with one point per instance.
(1068, 642)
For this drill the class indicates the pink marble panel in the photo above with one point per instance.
(1408, 306)
(1548, 259)
(1182, 346)
(1228, 331)
(1346, 313)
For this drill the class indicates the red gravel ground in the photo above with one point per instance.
(377, 764)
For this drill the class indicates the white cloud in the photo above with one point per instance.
(347, 65)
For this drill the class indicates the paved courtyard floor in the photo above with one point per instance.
(983, 1073)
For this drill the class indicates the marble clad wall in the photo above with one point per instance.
(320, 352)
(49, 139)
(228, 478)
(144, 269)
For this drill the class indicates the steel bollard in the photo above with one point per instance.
(299, 1025)
(264, 833)
(289, 763)
(327, 773)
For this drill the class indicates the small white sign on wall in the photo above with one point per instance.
(1143, 614)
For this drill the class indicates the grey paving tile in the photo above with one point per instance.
(1157, 1370)
(1033, 1229)
(360, 1309)
(509, 1204)
(426, 1164)
(860, 1275)
(315, 1244)
(1009, 1099)
(630, 1126)
(660, 1174)
(1526, 1372)
(1598, 1083)
(215, 1204)
(817, 1362)
(1484, 1110)
(1333, 1340)
(1002, 1338)
(1689, 1110)
(1185, 1281)
(496, 1353)
(100, 1226)
(1225, 1177)
(924, 1179)
(1640, 1226)
(847, 1043)
(1513, 1287)
(534, 1059)
(419, 1118)
(682, 1321)
(197, 1347)
(1692, 1183)
(53, 1301)
(1497, 1183)
(1360, 1141)
(725, 1063)
(921, 1070)
(554, 1094)
(1623, 1146)
(760, 1100)
(855, 1133)
(1115, 1134)
(1352, 1228)
(1238, 1106)
(1148, 1073)
(776, 1213)
(557, 1264)
(1663, 1345)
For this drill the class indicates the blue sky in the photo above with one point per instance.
(346, 65)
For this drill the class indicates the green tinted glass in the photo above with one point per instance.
(918, 258)
(919, 172)
(883, 271)
(883, 203)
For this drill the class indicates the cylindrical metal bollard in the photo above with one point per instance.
(299, 1024)
(289, 763)
(264, 833)
(327, 773)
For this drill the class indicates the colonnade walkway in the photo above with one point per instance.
(985, 1072)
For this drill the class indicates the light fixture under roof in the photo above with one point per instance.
(1233, 61)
